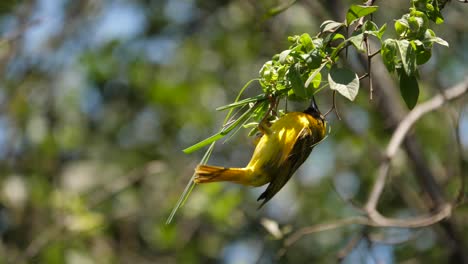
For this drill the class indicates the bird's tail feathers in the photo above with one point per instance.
(207, 173)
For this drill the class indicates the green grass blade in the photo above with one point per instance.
(255, 99)
(203, 143)
(223, 132)
(189, 187)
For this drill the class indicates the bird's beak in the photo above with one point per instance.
(313, 110)
(313, 105)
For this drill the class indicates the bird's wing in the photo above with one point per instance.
(297, 156)
(283, 150)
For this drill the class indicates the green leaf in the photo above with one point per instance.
(318, 42)
(439, 19)
(432, 11)
(369, 26)
(389, 54)
(344, 81)
(423, 55)
(408, 56)
(337, 36)
(330, 26)
(313, 75)
(423, 51)
(357, 11)
(357, 42)
(204, 142)
(409, 89)
(265, 71)
(306, 42)
(293, 39)
(296, 82)
(401, 26)
(316, 80)
(429, 33)
(283, 55)
(314, 59)
(415, 23)
(439, 41)
(381, 31)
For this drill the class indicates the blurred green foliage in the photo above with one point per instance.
(99, 98)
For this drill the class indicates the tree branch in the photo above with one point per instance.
(374, 219)
(402, 130)
(297, 235)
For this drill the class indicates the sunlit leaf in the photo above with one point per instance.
(283, 55)
(357, 11)
(306, 42)
(401, 26)
(439, 41)
(314, 74)
(330, 26)
(382, 31)
(344, 81)
(317, 79)
(408, 56)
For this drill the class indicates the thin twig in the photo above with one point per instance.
(334, 107)
(364, 76)
(375, 53)
(294, 237)
(374, 219)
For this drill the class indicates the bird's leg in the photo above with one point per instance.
(274, 106)
(263, 126)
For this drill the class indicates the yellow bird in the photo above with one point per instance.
(280, 151)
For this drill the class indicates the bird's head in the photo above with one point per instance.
(313, 110)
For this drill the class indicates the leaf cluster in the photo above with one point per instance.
(413, 46)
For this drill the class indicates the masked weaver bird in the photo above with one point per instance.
(280, 151)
